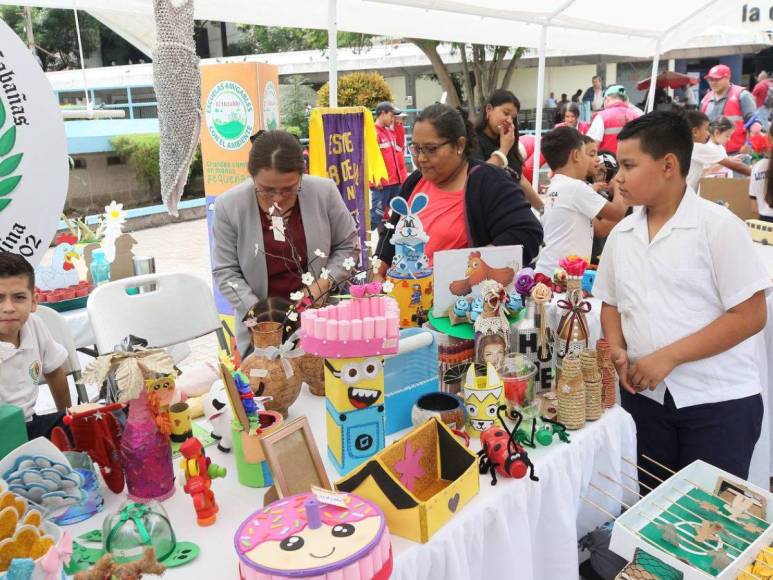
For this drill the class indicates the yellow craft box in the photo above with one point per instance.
(420, 480)
(413, 295)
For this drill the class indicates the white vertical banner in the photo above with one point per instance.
(33, 152)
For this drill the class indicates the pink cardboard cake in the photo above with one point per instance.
(298, 537)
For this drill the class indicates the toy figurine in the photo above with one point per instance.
(220, 415)
(476, 309)
(501, 453)
(543, 431)
(199, 472)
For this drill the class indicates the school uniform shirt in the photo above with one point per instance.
(757, 186)
(704, 155)
(700, 264)
(568, 225)
(22, 369)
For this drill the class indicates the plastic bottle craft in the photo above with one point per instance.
(571, 394)
(483, 395)
(572, 333)
(501, 453)
(199, 471)
(410, 273)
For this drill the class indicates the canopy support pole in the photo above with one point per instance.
(332, 49)
(83, 63)
(540, 103)
(653, 78)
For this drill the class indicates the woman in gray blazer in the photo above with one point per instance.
(267, 225)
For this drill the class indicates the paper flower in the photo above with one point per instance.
(387, 287)
(375, 262)
(389, 226)
(574, 265)
(324, 273)
(292, 315)
(348, 264)
(307, 279)
(360, 276)
(296, 296)
(524, 281)
(257, 249)
(319, 253)
(542, 279)
(541, 293)
(371, 244)
(559, 277)
(114, 213)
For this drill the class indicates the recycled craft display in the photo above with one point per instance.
(300, 537)
(410, 273)
(572, 333)
(594, 403)
(608, 373)
(502, 453)
(571, 394)
(146, 454)
(272, 367)
(492, 327)
(483, 396)
(420, 481)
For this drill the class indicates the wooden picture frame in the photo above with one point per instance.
(294, 459)
(233, 396)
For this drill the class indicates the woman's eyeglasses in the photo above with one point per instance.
(428, 150)
(274, 192)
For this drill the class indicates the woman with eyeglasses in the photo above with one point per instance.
(471, 203)
(272, 228)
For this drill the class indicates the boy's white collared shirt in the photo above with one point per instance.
(22, 369)
(700, 264)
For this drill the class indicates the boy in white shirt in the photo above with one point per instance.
(569, 224)
(705, 151)
(28, 353)
(761, 191)
(682, 292)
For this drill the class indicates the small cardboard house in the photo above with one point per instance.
(420, 480)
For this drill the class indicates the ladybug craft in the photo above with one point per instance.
(501, 453)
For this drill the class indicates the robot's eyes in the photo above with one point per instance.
(291, 544)
(472, 409)
(350, 373)
(342, 530)
(372, 368)
(491, 410)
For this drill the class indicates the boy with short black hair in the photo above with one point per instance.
(569, 222)
(28, 353)
(682, 291)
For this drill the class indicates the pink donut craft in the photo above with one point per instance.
(298, 537)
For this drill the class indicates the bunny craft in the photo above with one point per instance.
(409, 239)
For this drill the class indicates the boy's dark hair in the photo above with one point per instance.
(586, 140)
(558, 145)
(696, 118)
(15, 265)
(660, 133)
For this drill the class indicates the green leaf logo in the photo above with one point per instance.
(8, 161)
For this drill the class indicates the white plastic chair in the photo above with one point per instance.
(181, 308)
(57, 326)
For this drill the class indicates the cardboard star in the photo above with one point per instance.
(409, 467)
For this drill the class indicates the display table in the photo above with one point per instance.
(516, 529)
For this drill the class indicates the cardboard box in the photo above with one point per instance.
(732, 191)
(630, 527)
(420, 480)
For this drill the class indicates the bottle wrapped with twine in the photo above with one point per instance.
(608, 373)
(571, 394)
(594, 406)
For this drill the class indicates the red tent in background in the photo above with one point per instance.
(668, 80)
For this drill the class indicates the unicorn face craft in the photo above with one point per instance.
(482, 398)
(409, 238)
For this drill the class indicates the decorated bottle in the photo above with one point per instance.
(146, 454)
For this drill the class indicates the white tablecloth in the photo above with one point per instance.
(516, 529)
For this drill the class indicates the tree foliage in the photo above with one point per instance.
(56, 39)
(355, 89)
(296, 97)
(141, 152)
(265, 39)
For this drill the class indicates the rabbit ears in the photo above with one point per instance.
(400, 206)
